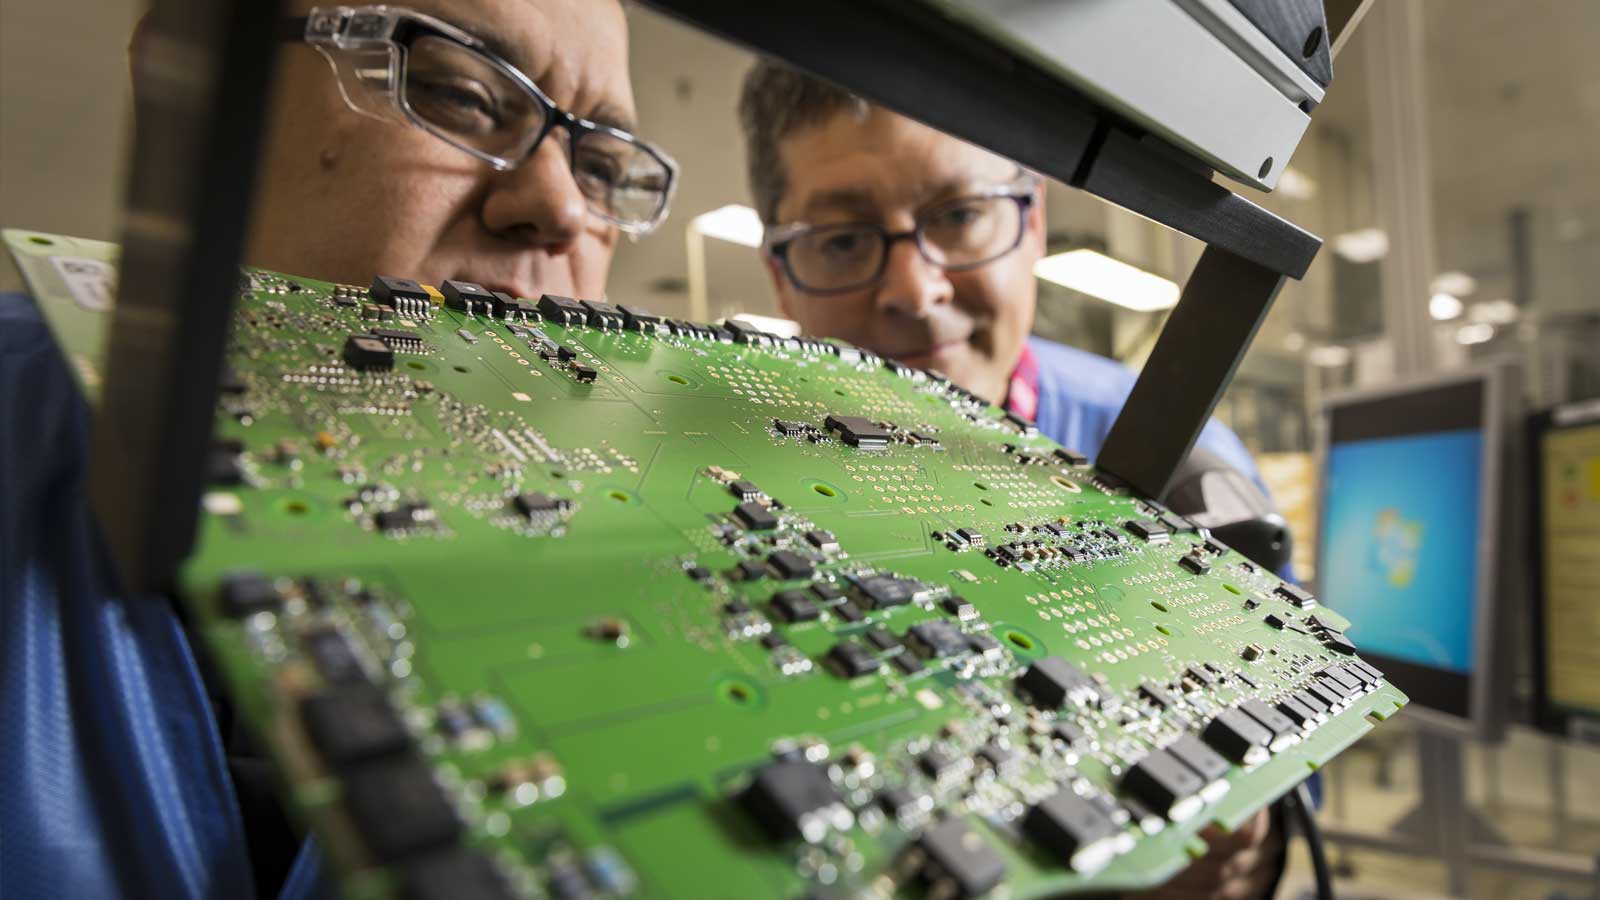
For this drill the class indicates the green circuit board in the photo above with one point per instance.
(539, 598)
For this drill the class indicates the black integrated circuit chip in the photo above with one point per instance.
(1165, 785)
(795, 606)
(1070, 828)
(368, 353)
(464, 296)
(789, 565)
(937, 639)
(353, 724)
(755, 517)
(792, 798)
(600, 314)
(562, 310)
(1052, 681)
(246, 593)
(398, 808)
(858, 432)
(959, 863)
(456, 874)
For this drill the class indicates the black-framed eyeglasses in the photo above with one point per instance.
(403, 66)
(956, 235)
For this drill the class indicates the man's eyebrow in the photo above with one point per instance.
(604, 112)
(851, 199)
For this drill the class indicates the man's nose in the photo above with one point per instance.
(911, 285)
(538, 203)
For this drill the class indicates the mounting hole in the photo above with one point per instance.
(1066, 484)
(1158, 605)
(41, 241)
(980, 485)
(1233, 590)
(620, 496)
(1266, 166)
(985, 501)
(1313, 42)
(296, 507)
(1020, 640)
(824, 490)
(462, 369)
(840, 392)
(1164, 630)
(677, 379)
(413, 364)
(739, 692)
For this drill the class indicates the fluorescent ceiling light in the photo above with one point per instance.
(1475, 333)
(734, 223)
(1329, 355)
(771, 324)
(1494, 312)
(1444, 307)
(1112, 280)
(1295, 185)
(1459, 284)
(1363, 246)
(1294, 342)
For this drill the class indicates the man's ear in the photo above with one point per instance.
(1036, 222)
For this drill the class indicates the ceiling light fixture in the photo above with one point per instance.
(1112, 280)
(1476, 333)
(1444, 307)
(1494, 312)
(1458, 284)
(1362, 246)
(1329, 355)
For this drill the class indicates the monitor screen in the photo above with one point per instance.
(1567, 534)
(1402, 532)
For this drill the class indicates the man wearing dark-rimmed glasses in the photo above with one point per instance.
(921, 247)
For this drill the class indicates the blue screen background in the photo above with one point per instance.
(1399, 544)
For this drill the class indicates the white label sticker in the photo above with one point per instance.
(92, 282)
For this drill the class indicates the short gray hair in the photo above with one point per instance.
(775, 102)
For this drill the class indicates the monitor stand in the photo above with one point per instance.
(1442, 821)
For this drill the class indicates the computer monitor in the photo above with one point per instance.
(1410, 536)
(1564, 449)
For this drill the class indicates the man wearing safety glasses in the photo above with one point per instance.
(485, 140)
(920, 247)
(490, 141)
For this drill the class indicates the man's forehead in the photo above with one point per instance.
(881, 163)
(563, 45)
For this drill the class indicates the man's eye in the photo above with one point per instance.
(598, 167)
(958, 217)
(842, 244)
(456, 103)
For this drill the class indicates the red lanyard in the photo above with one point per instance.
(1023, 396)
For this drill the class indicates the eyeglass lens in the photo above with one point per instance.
(475, 103)
(959, 234)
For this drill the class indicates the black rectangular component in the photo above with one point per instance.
(398, 809)
(1071, 457)
(1350, 683)
(1148, 530)
(789, 798)
(755, 517)
(853, 660)
(1195, 563)
(1297, 596)
(1163, 783)
(826, 593)
(744, 490)
(352, 724)
(562, 310)
(937, 639)
(749, 570)
(788, 564)
(1296, 711)
(795, 606)
(1269, 718)
(246, 593)
(1338, 643)
(396, 292)
(960, 859)
(1312, 702)
(1273, 619)
(1052, 681)
(472, 299)
(1328, 695)
(1068, 733)
(1202, 675)
(585, 374)
(1237, 736)
(822, 540)
(1159, 698)
(601, 314)
(456, 874)
(789, 429)
(1205, 762)
(883, 639)
(367, 352)
(849, 612)
(537, 505)
(331, 653)
(1066, 824)
(637, 318)
(884, 591)
(858, 432)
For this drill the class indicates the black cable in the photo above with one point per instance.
(1300, 807)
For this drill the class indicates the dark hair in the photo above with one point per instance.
(776, 101)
